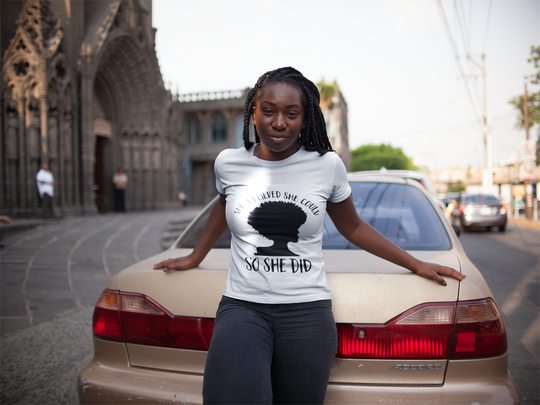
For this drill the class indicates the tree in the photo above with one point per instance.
(533, 99)
(327, 90)
(456, 186)
(373, 157)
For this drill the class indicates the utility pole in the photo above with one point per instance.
(487, 175)
(487, 172)
(528, 208)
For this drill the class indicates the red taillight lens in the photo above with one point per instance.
(106, 318)
(427, 332)
(503, 210)
(480, 331)
(421, 333)
(144, 321)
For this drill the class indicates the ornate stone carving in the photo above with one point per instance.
(53, 136)
(12, 134)
(68, 139)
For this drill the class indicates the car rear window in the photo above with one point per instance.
(400, 212)
(481, 198)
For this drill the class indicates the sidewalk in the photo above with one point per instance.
(22, 224)
(522, 220)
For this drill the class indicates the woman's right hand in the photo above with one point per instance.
(214, 228)
(180, 263)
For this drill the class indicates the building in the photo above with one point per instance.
(82, 91)
(210, 122)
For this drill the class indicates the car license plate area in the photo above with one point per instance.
(486, 210)
(389, 372)
(164, 358)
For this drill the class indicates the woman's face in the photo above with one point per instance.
(279, 118)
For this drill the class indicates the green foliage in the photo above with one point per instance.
(456, 186)
(327, 90)
(373, 157)
(535, 59)
(533, 98)
(534, 109)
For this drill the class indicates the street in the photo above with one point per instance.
(510, 263)
(51, 277)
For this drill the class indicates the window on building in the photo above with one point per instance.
(218, 128)
(192, 129)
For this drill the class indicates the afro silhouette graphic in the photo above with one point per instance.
(279, 222)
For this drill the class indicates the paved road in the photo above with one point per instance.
(510, 263)
(51, 277)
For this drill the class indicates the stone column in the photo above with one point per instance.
(87, 142)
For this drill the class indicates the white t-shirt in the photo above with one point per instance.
(275, 211)
(46, 187)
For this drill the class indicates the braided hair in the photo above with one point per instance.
(313, 136)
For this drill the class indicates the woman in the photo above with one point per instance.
(274, 337)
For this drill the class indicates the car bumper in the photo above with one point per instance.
(478, 220)
(108, 379)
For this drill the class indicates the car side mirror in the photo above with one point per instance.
(457, 229)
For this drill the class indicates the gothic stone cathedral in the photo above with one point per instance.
(82, 91)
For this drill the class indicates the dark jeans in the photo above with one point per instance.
(119, 199)
(47, 207)
(270, 354)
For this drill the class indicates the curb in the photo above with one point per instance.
(525, 222)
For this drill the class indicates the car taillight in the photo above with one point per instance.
(466, 209)
(106, 318)
(135, 318)
(503, 210)
(427, 332)
(480, 331)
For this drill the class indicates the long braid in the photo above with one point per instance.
(314, 136)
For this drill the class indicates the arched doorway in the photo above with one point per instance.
(124, 115)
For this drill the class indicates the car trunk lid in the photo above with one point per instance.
(375, 295)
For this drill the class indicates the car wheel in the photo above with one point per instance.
(502, 228)
(463, 227)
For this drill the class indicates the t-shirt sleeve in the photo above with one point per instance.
(341, 188)
(218, 171)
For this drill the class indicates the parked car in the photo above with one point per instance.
(420, 177)
(402, 338)
(480, 210)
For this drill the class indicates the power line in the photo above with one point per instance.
(487, 27)
(455, 49)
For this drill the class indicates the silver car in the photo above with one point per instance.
(480, 210)
(402, 338)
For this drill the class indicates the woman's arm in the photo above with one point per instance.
(363, 235)
(216, 225)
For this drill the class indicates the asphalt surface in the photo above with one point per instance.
(52, 274)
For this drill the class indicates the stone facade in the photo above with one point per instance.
(82, 91)
(335, 114)
(209, 123)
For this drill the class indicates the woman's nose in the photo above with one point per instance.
(279, 122)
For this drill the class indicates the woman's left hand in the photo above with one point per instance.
(433, 271)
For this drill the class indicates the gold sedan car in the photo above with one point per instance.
(402, 338)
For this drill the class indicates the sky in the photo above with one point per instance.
(400, 64)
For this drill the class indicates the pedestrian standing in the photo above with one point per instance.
(45, 184)
(6, 220)
(182, 196)
(120, 181)
(274, 337)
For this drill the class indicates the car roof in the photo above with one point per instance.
(413, 174)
